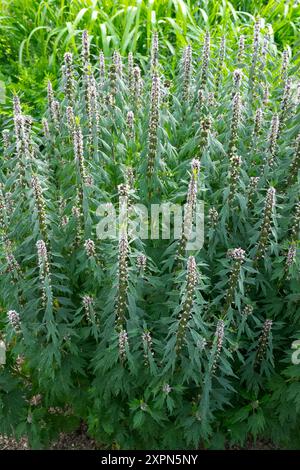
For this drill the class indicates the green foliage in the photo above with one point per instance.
(152, 344)
(35, 34)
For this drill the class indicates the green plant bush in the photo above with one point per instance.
(154, 345)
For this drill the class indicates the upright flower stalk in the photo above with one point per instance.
(241, 49)
(219, 340)
(101, 68)
(234, 173)
(154, 53)
(219, 71)
(46, 130)
(130, 67)
(185, 315)
(253, 183)
(296, 224)
(5, 139)
(189, 208)
(44, 269)
(89, 308)
(40, 206)
(93, 110)
(290, 257)
(69, 79)
(235, 119)
(82, 176)
(130, 125)
(284, 65)
(205, 127)
(85, 50)
(273, 138)
(50, 97)
(257, 123)
(295, 164)
(238, 257)
(264, 50)
(284, 105)
(137, 86)
(263, 341)
(187, 73)
(112, 83)
(78, 152)
(213, 217)
(266, 224)
(117, 60)
(255, 52)
(266, 93)
(147, 346)
(205, 60)
(237, 80)
(14, 320)
(90, 249)
(153, 124)
(13, 266)
(121, 305)
(123, 345)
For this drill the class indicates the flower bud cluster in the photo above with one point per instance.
(101, 68)
(235, 120)
(234, 173)
(291, 255)
(253, 183)
(284, 64)
(153, 124)
(154, 53)
(14, 320)
(238, 256)
(88, 305)
(137, 86)
(189, 207)
(241, 49)
(221, 58)
(187, 72)
(69, 80)
(130, 125)
(185, 315)
(117, 61)
(147, 346)
(89, 247)
(273, 137)
(257, 122)
(266, 224)
(44, 269)
(205, 60)
(213, 217)
(121, 306)
(295, 164)
(5, 137)
(296, 223)
(40, 206)
(123, 344)
(263, 340)
(141, 262)
(219, 335)
(12, 264)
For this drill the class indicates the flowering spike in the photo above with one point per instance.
(266, 224)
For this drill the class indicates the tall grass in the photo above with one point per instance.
(35, 34)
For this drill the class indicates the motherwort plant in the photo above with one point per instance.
(113, 314)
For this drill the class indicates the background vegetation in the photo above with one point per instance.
(34, 34)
